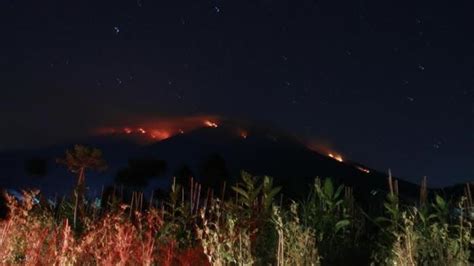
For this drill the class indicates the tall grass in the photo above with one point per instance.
(246, 227)
(429, 234)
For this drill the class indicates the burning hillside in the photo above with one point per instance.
(164, 128)
(160, 129)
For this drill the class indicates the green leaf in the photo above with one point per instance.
(247, 178)
(338, 191)
(440, 202)
(241, 192)
(339, 202)
(274, 192)
(328, 188)
(267, 182)
(342, 224)
(432, 216)
(382, 219)
(389, 207)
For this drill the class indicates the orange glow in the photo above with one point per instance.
(160, 134)
(243, 134)
(362, 169)
(336, 157)
(210, 123)
(145, 130)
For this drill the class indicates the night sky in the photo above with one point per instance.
(385, 83)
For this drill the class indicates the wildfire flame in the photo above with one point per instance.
(160, 134)
(336, 157)
(160, 129)
(362, 169)
(164, 128)
(210, 124)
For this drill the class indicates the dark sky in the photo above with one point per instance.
(386, 83)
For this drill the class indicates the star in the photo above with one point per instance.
(179, 95)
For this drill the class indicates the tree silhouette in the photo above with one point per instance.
(183, 174)
(140, 171)
(36, 167)
(213, 172)
(78, 161)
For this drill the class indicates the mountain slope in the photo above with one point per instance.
(258, 150)
(286, 159)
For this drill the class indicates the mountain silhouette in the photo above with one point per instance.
(237, 146)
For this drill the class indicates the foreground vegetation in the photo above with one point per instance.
(250, 224)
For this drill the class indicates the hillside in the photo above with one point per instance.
(252, 148)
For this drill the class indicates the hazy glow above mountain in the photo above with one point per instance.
(160, 129)
(167, 127)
